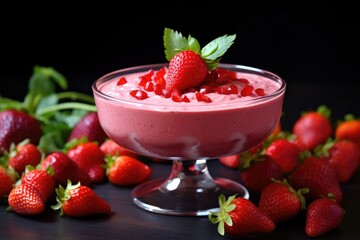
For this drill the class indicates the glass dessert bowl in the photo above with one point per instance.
(188, 134)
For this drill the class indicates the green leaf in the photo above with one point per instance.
(175, 42)
(215, 49)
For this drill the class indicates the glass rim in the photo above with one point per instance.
(246, 69)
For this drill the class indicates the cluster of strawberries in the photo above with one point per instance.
(30, 180)
(294, 171)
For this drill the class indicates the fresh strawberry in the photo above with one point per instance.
(24, 199)
(7, 181)
(41, 180)
(23, 154)
(15, 126)
(240, 217)
(349, 129)
(316, 174)
(186, 69)
(89, 158)
(80, 201)
(322, 216)
(189, 65)
(63, 168)
(127, 171)
(313, 128)
(89, 127)
(232, 161)
(109, 147)
(285, 153)
(281, 202)
(258, 173)
(343, 156)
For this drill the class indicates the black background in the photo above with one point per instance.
(313, 45)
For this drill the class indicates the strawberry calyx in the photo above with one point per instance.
(211, 53)
(222, 217)
(63, 194)
(299, 193)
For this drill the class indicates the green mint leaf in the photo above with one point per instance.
(175, 42)
(215, 49)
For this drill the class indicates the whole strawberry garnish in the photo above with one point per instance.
(25, 199)
(127, 171)
(343, 156)
(41, 180)
(258, 173)
(88, 157)
(23, 154)
(80, 201)
(313, 128)
(282, 202)
(7, 181)
(285, 153)
(89, 127)
(316, 174)
(63, 168)
(322, 216)
(189, 64)
(15, 126)
(240, 217)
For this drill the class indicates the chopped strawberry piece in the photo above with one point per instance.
(121, 81)
(139, 94)
(247, 90)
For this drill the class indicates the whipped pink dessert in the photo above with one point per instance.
(218, 118)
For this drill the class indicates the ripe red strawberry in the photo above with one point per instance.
(281, 202)
(186, 69)
(313, 128)
(63, 168)
(316, 174)
(23, 154)
(259, 174)
(322, 216)
(240, 217)
(349, 129)
(109, 147)
(89, 158)
(24, 199)
(80, 201)
(15, 126)
(41, 180)
(89, 127)
(127, 171)
(232, 161)
(285, 153)
(189, 65)
(7, 180)
(344, 158)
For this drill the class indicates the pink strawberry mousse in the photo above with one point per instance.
(162, 128)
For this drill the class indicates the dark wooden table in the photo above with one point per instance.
(131, 222)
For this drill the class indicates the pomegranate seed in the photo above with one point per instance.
(222, 90)
(185, 99)
(158, 89)
(247, 90)
(202, 97)
(139, 94)
(121, 81)
(149, 86)
(176, 97)
(260, 91)
(243, 80)
(206, 89)
(232, 89)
